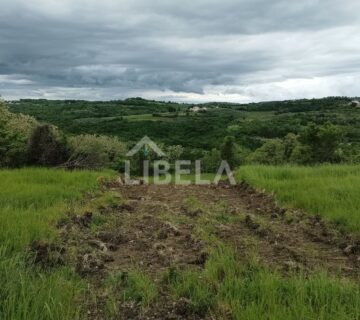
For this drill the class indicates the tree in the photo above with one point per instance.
(271, 152)
(290, 142)
(3, 146)
(211, 161)
(301, 154)
(174, 152)
(323, 142)
(47, 147)
(228, 151)
(171, 109)
(15, 131)
(3, 135)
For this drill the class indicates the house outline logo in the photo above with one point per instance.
(146, 142)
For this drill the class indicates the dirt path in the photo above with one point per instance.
(281, 237)
(153, 228)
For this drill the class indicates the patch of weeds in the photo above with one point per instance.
(98, 221)
(206, 231)
(206, 226)
(221, 212)
(134, 286)
(222, 264)
(260, 227)
(193, 207)
(190, 285)
(112, 306)
(234, 290)
(192, 202)
(107, 199)
(289, 218)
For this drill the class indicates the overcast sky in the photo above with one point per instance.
(188, 50)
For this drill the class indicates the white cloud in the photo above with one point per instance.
(194, 50)
(14, 79)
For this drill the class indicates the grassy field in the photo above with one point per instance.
(237, 290)
(331, 191)
(230, 284)
(31, 201)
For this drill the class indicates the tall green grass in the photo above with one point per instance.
(135, 285)
(230, 289)
(332, 191)
(31, 201)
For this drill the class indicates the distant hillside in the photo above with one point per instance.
(174, 123)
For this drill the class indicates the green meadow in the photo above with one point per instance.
(31, 202)
(331, 191)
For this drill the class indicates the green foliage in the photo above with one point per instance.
(198, 133)
(228, 151)
(15, 131)
(211, 161)
(315, 144)
(174, 153)
(271, 152)
(323, 142)
(30, 294)
(291, 143)
(331, 191)
(46, 148)
(94, 152)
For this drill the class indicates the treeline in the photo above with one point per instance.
(175, 124)
(315, 144)
(222, 132)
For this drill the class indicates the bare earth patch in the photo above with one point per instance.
(154, 228)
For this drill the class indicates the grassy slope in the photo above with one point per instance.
(31, 200)
(331, 191)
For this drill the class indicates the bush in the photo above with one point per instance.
(315, 144)
(271, 152)
(92, 151)
(15, 131)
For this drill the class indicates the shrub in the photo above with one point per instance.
(271, 152)
(15, 131)
(92, 151)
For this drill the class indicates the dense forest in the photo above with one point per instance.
(98, 133)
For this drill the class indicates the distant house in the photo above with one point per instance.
(198, 109)
(355, 103)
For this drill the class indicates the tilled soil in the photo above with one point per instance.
(154, 227)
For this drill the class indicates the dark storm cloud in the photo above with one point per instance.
(189, 50)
